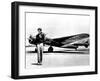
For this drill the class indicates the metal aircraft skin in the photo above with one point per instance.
(73, 41)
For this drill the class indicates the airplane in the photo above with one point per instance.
(72, 42)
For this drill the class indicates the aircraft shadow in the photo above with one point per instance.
(78, 50)
(71, 52)
(35, 64)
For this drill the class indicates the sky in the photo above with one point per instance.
(57, 25)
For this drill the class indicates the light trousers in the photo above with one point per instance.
(39, 52)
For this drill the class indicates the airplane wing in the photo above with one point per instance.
(72, 41)
(56, 41)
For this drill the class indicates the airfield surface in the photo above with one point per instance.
(61, 57)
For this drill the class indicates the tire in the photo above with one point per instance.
(35, 49)
(50, 49)
(86, 46)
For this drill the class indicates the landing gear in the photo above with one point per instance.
(50, 49)
(86, 46)
(35, 49)
(76, 48)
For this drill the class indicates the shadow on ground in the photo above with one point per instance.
(65, 51)
(36, 64)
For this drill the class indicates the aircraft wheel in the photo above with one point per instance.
(35, 49)
(50, 49)
(86, 46)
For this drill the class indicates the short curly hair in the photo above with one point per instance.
(39, 29)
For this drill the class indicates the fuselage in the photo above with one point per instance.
(67, 41)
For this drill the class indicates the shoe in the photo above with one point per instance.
(39, 63)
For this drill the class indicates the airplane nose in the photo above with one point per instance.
(31, 40)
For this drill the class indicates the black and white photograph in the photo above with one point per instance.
(55, 39)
